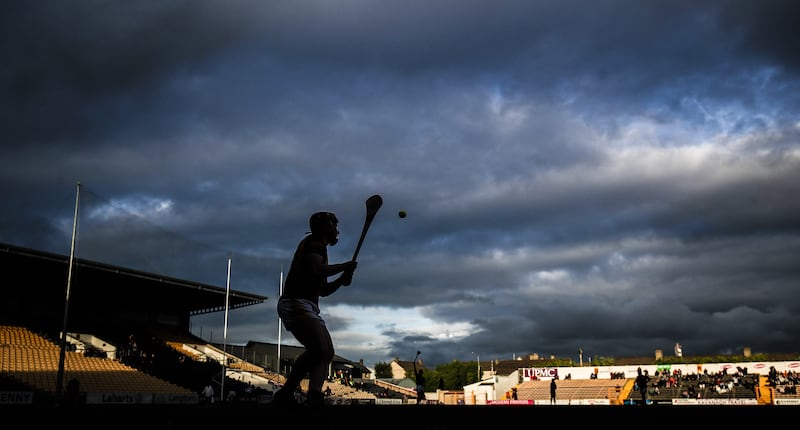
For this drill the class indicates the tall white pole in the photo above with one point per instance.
(63, 339)
(478, 357)
(225, 334)
(280, 292)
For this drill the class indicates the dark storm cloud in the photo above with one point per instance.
(612, 176)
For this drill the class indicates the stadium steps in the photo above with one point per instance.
(575, 389)
(33, 360)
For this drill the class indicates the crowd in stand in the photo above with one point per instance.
(694, 384)
(783, 382)
(614, 375)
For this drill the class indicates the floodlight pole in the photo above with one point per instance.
(225, 335)
(63, 338)
(280, 292)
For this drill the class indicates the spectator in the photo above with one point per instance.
(641, 382)
(73, 394)
(420, 380)
(208, 394)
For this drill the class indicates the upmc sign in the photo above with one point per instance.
(532, 373)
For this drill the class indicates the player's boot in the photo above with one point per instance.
(314, 399)
(285, 398)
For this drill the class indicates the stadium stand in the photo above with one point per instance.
(32, 360)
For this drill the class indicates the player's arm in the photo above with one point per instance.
(317, 262)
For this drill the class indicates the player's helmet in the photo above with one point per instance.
(325, 225)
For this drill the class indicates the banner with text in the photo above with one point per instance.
(533, 373)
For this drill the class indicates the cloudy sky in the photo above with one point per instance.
(613, 176)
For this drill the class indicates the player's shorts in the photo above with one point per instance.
(292, 310)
